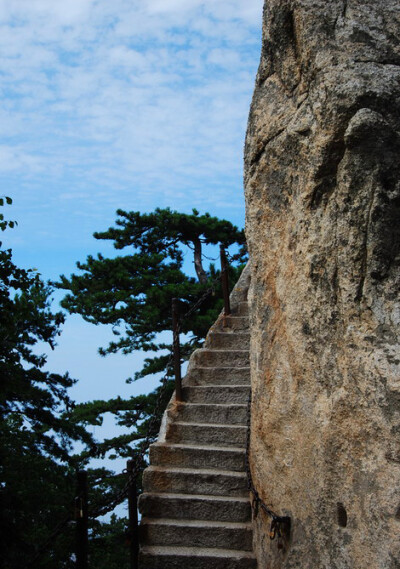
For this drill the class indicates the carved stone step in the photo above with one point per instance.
(216, 394)
(189, 456)
(220, 358)
(199, 533)
(237, 323)
(207, 434)
(159, 557)
(195, 481)
(195, 507)
(228, 341)
(238, 375)
(230, 414)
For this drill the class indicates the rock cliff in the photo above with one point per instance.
(322, 178)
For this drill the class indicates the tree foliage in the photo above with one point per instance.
(37, 430)
(109, 544)
(39, 423)
(133, 293)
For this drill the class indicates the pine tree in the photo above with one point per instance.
(40, 425)
(37, 430)
(133, 292)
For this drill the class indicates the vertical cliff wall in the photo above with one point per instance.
(322, 176)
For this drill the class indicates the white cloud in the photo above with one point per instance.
(142, 100)
(122, 103)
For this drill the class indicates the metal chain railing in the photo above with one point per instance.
(135, 465)
(280, 525)
(204, 296)
(108, 506)
(177, 319)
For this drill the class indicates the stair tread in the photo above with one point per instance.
(200, 497)
(217, 425)
(197, 551)
(196, 523)
(239, 450)
(245, 351)
(218, 405)
(226, 367)
(209, 471)
(219, 386)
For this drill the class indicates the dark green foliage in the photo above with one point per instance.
(37, 429)
(36, 497)
(31, 398)
(134, 293)
(40, 425)
(109, 545)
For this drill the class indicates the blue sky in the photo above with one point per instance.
(133, 104)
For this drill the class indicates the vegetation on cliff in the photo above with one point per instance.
(44, 435)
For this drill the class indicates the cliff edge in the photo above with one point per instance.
(322, 179)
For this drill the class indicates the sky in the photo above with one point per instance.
(131, 104)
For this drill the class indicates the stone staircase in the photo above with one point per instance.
(195, 507)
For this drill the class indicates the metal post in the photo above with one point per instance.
(225, 280)
(177, 349)
(81, 516)
(133, 517)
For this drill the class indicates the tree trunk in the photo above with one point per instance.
(198, 265)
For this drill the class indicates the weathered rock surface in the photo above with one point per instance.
(322, 176)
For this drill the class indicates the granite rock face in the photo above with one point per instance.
(322, 177)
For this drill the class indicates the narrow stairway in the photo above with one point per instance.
(195, 507)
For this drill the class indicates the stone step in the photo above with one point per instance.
(189, 456)
(195, 507)
(231, 414)
(199, 533)
(205, 357)
(207, 434)
(222, 375)
(195, 481)
(216, 394)
(162, 557)
(234, 323)
(228, 341)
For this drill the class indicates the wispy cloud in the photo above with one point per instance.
(144, 101)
